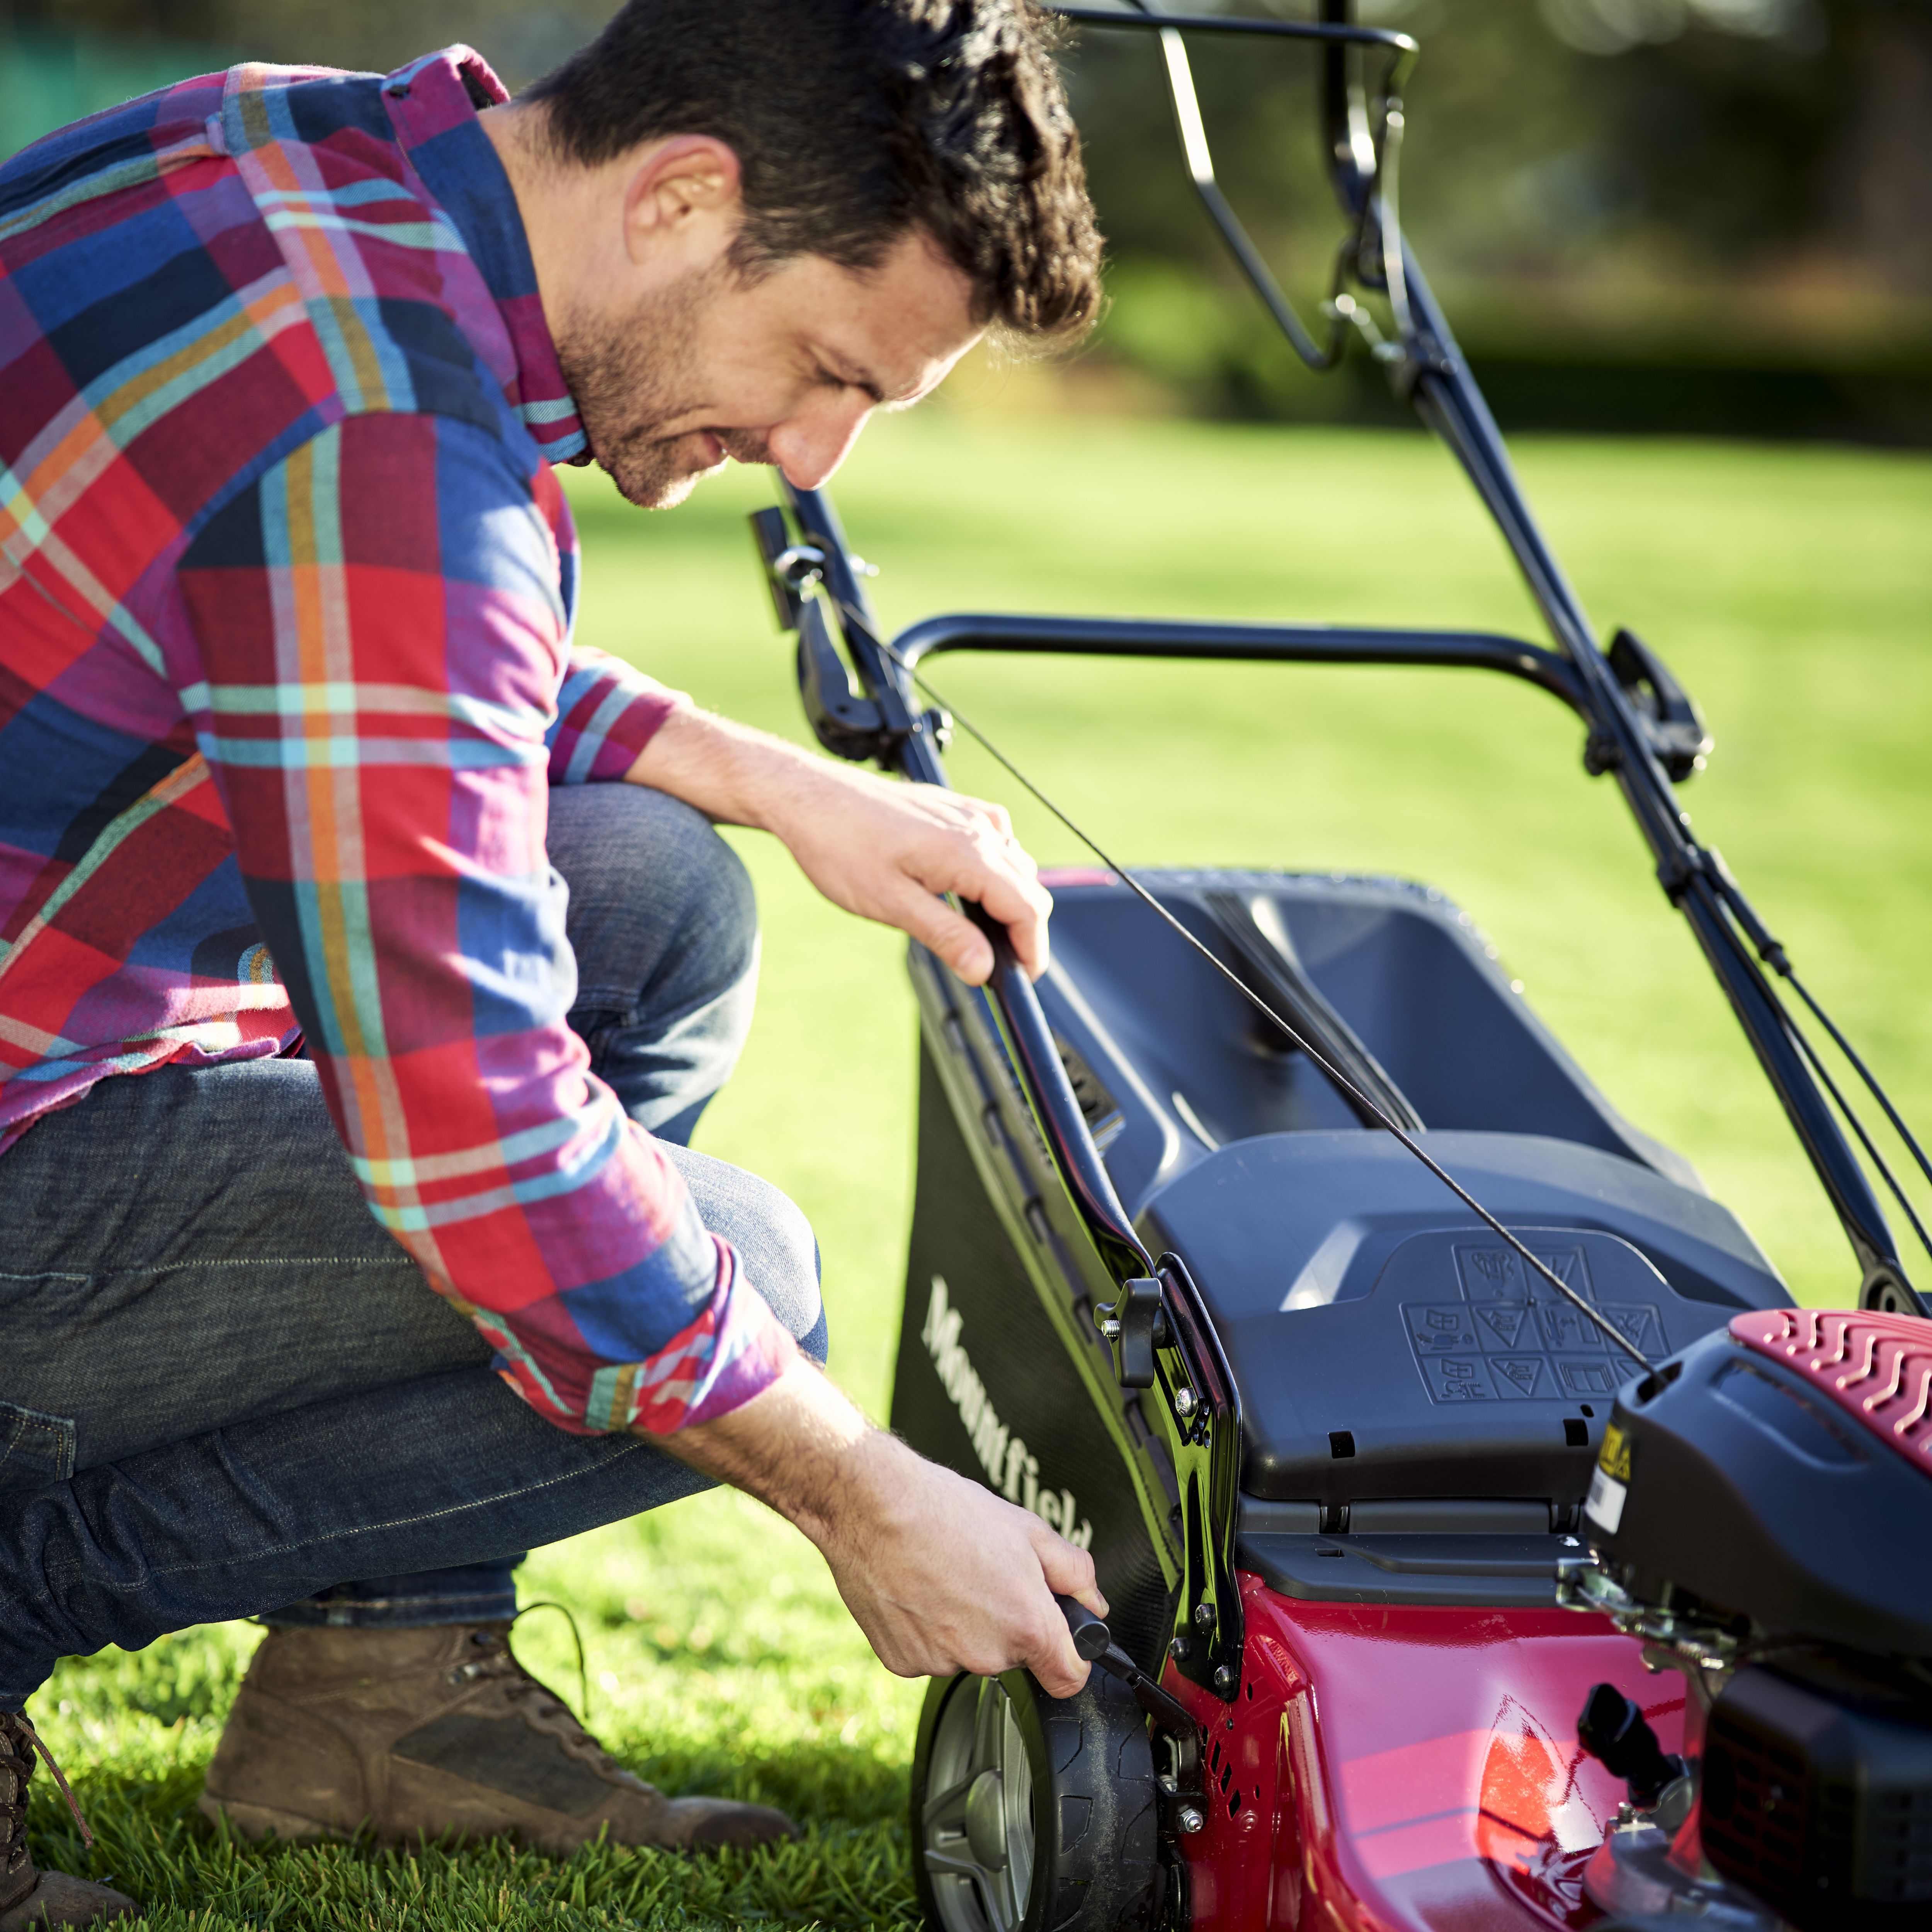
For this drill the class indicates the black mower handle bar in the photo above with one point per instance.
(1078, 1158)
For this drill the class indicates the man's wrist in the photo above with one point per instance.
(861, 1484)
(800, 1445)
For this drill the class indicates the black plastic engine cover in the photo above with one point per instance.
(1387, 1346)
(1817, 1793)
(1730, 1479)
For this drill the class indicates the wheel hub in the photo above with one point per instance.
(978, 1823)
(986, 1820)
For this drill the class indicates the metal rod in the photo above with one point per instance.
(1282, 644)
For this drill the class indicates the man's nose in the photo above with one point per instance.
(809, 445)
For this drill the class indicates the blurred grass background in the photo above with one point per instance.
(1790, 591)
(1672, 217)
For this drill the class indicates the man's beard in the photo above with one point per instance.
(630, 375)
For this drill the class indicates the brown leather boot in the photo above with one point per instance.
(28, 1897)
(433, 1732)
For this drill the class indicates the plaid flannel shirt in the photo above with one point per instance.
(285, 592)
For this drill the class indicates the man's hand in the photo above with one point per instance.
(881, 849)
(940, 1574)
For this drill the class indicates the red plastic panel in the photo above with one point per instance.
(1395, 1769)
(1877, 1368)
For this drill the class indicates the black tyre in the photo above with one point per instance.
(1032, 1813)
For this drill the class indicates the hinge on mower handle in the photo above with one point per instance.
(1135, 1326)
(1667, 714)
(847, 723)
(1162, 1342)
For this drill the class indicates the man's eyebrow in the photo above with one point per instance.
(855, 377)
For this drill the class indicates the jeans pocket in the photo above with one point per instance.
(34, 1448)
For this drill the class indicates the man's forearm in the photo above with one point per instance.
(939, 1573)
(796, 1445)
(732, 772)
(887, 851)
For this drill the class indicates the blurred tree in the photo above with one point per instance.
(1723, 206)
(1707, 214)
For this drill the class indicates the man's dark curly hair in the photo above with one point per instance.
(855, 122)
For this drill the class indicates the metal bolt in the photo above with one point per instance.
(1183, 1402)
(1110, 1329)
(1224, 1680)
(1180, 1648)
(1204, 1615)
(1190, 1820)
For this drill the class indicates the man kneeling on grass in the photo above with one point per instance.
(359, 937)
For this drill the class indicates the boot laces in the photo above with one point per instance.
(16, 1812)
(497, 1662)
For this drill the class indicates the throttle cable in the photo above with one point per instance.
(858, 620)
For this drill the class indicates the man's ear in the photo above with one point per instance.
(685, 197)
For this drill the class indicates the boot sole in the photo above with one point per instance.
(257, 1822)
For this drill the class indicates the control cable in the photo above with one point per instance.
(857, 620)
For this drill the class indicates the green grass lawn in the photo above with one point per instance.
(1790, 589)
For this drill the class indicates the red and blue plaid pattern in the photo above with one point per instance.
(285, 591)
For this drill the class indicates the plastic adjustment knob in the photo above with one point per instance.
(1613, 1730)
(1136, 1325)
(1091, 1637)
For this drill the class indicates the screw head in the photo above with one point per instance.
(1224, 1680)
(1179, 1648)
(1204, 1615)
(1190, 1820)
(1183, 1402)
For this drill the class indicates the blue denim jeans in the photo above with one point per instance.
(225, 1391)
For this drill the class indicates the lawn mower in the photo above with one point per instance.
(1489, 1541)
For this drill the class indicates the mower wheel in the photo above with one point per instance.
(1033, 1813)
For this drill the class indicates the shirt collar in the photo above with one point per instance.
(432, 104)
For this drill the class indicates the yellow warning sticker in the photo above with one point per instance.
(1614, 1458)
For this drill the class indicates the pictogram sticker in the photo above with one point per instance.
(1440, 1327)
(1512, 1337)
(1459, 1379)
(1504, 1320)
(1638, 1324)
(1587, 1377)
(1521, 1376)
(1564, 1326)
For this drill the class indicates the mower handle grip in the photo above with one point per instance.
(1095, 1643)
(1091, 1637)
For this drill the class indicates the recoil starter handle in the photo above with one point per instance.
(1095, 1643)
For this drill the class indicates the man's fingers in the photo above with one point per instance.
(1066, 1571)
(1014, 897)
(954, 937)
(1069, 1571)
(1062, 1671)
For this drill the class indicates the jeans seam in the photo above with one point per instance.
(242, 1261)
(323, 1601)
(152, 1572)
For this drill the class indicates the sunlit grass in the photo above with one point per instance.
(1790, 589)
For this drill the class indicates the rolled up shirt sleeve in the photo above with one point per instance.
(374, 655)
(606, 713)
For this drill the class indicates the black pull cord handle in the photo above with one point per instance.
(1091, 1637)
(1095, 1643)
